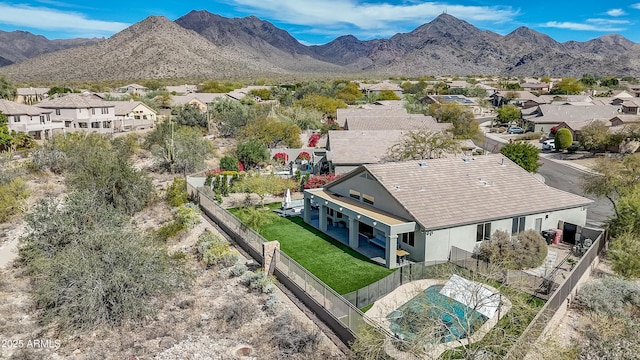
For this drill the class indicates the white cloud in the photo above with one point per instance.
(608, 21)
(580, 27)
(368, 19)
(616, 12)
(635, 6)
(56, 20)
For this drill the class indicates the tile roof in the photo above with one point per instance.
(32, 91)
(522, 95)
(559, 113)
(404, 122)
(578, 125)
(126, 107)
(11, 108)
(360, 147)
(204, 98)
(444, 193)
(74, 101)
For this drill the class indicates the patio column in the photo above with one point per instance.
(390, 250)
(307, 210)
(322, 219)
(354, 238)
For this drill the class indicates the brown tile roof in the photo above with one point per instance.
(445, 193)
(360, 147)
(125, 107)
(402, 122)
(11, 108)
(559, 113)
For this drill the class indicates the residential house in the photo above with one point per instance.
(240, 94)
(133, 115)
(376, 89)
(134, 89)
(198, 99)
(29, 119)
(182, 89)
(426, 207)
(634, 89)
(546, 116)
(82, 112)
(622, 120)
(576, 126)
(522, 99)
(539, 87)
(31, 95)
(568, 99)
(630, 107)
(455, 99)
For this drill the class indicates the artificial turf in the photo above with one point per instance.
(337, 265)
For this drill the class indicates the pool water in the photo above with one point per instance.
(433, 314)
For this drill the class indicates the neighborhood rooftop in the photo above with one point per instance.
(441, 193)
(11, 108)
(75, 101)
(558, 113)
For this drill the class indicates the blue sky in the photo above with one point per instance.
(320, 21)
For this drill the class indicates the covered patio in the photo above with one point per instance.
(364, 228)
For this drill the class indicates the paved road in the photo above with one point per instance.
(565, 178)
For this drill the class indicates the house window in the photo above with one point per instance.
(338, 215)
(517, 225)
(106, 124)
(93, 111)
(67, 124)
(354, 194)
(483, 232)
(408, 238)
(95, 125)
(83, 125)
(105, 111)
(16, 119)
(41, 119)
(368, 199)
(330, 210)
(57, 111)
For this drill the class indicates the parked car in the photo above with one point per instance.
(515, 130)
(549, 144)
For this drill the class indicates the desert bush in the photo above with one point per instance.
(229, 163)
(609, 295)
(528, 250)
(187, 214)
(214, 250)
(272, 306)
(563, 139)
(291, 337)
(11, 197)
(48, 158)
(238, 312)
(258, 281)
(530, 136)
(177, 192)
(90, 267)
(238, 269)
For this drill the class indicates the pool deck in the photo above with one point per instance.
(406, 292)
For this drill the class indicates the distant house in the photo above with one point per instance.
(240, 94)
(82, 112)
(31, 95)
(198, 99)
(538, 87)
(622, 120)
(546, 116)
(182, 89)
(133, 115)
(133, 89)
(369, 89)
(630, 107)
(455, 99)
(381, 117)
(30, 119)
(522, 99)
(425, 207)
(576, 126)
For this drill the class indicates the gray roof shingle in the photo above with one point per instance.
(11, 108)
(560, 113)
(75, 101)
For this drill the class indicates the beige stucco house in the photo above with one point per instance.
(425, 207)
(29, 119)
(133, 115)
(82, 112)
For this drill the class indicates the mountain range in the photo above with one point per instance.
(202, 45)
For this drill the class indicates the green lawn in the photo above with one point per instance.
(339, 266)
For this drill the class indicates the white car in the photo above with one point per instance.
(548, 144)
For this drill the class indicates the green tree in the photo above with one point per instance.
(509, 113)
(254, 183)
(422, 144)
(12, 195)
(263, 94)
(350, 93)
(325, 104)
(624, 254)
(90, 268)
(388, 95)
(464, 124)
(304, 118)
(189, 115)
(524, 154)
(229, 116)
(179, 149)
(229, 163)
(272, 132)
(563, 139)
(610, 82)
(595, 136)
(567, 86)
(588, 81)
(252, 152)
(8, 91)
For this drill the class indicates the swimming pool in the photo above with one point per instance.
(434, 314)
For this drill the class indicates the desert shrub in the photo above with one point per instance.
(272, 306)
(291, 336)
(563, 139)
(11, 197)
(528, 251)
(258, 281)
(229, 163)
(188, 215)
(168, 230)
(48, 158)
(238, 312)
(90, 267)
(530, 136)
(609, 295)
(214, 250)
(238, 269)
(177, 192)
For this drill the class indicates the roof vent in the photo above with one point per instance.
(422, 164)
(397, 187)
